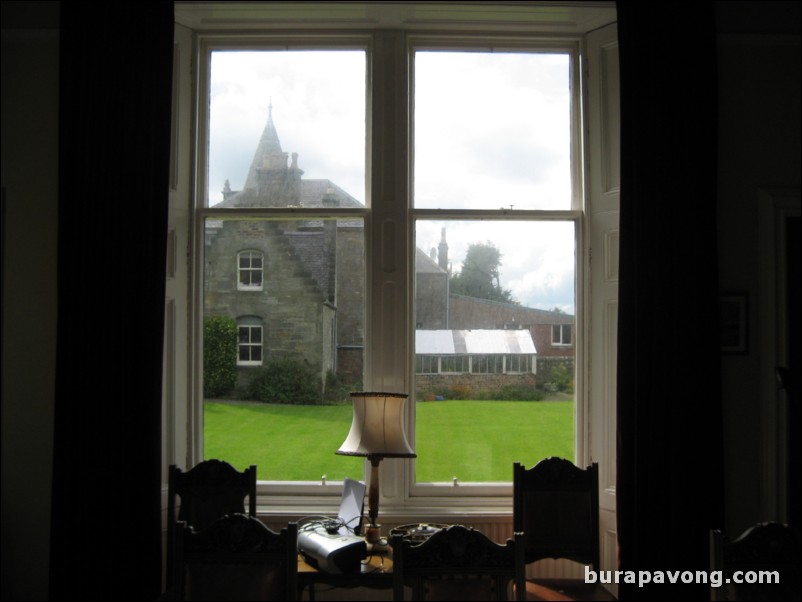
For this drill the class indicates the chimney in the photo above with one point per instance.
(330, 243)
(442, 248)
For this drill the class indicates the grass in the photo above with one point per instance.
(472, 440)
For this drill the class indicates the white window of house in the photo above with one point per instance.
(249, 341)
(250, 270)
(561, 335)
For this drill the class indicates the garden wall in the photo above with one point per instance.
(468, 385)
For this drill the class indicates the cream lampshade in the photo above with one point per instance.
(377, 431)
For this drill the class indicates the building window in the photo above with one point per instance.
(427, 364)
(496, 209)
(286, 148)
(435, 231)
(487, 364)
(250, 271)
(518, 364)
(561, 335)
(249, 341)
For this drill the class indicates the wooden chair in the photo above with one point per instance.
(236, 558)
(764, 550)
(457, 563)
(556, 507)
(208, 491)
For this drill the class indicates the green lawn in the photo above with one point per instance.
(472, 440)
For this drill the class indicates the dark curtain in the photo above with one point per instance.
(114, 139)
(670, 485)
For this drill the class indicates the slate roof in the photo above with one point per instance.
(309, 248)
(425, 264)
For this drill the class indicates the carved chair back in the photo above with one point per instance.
(236, 558)
(761, 553)
(207, 492)
(457, 563)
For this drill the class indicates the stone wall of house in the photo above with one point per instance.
(472, 384)
(431, 309)
(350, 362)
(350, 296)
(290, 305)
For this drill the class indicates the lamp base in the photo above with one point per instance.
(375, 542)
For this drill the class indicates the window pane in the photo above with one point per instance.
(501, 143)
(285, 127)
(487, 296)
(300, 345)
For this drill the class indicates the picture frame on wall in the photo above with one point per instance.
(734, 322)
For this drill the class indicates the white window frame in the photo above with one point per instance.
(252, 323)
(519, 363)
(497, 494)
(561, 341)
(280, 495)
(250, 270)
(389, 221)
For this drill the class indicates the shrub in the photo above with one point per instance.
(562, 379)
(337, 389)
(219, 355)
(460, 392)
(521, 393)
(288, 380)
(513, 393)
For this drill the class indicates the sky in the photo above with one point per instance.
(491, 131)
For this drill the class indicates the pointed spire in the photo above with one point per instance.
(268, 152)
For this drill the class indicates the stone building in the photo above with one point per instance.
(296, 286)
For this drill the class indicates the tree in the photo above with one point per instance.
(479, 276)
(219, 355)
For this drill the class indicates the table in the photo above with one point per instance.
(376, 572)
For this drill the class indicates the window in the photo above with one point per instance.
(487, 364)
(250, 271)
(495, 206)
(518, 363)
(561, 335)
(487, 268)
(285, 190)
(397, 232)
(249, 341)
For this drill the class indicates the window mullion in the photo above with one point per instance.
(389, 239)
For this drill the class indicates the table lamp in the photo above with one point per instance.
(377, 431)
